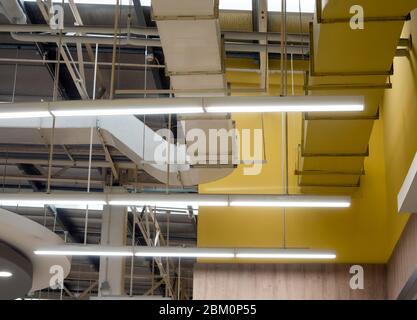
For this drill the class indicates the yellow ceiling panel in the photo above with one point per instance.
(336, 136)
(339, 48)
(372, 8)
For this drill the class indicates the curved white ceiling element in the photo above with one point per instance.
(126, 133)
(12, 11)
(26, 236)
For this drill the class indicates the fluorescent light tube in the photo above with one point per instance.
(64, 203)
(284, 254)
(5, 274)
(284, 108)
(181, 106)
(24, 114)
(290, 201)
(290, 204)
(95, 200)
(168, 200)
(185, 255)
(41, 204)
(24, 110)
(284, 104)
(83, 253)
(169, 204)
(307, 6)
(144, 3)
(168, 252)
(126, 107)
(36, 199)
(86, 250)
(126, 111)
(179, 252)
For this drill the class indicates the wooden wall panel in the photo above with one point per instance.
(403, 261)
(285, 281)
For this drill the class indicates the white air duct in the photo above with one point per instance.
(13, 12)
(134, 139)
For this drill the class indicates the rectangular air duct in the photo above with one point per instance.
(190, 35)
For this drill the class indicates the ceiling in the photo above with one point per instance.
(365, 233)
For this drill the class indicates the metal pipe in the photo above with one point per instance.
(123, 41)
(348, 86)
(153, 32)
(85, 39)
(115, 38)
(185, 91)
(78, 29)
(95, 73)
(60, 180)
(271, 71)
(254, 47)
(42, 61)
(257, 36)
(64, 163)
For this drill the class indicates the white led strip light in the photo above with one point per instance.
(307, 6)
(181, 106)
(172, 200)
(193, 253)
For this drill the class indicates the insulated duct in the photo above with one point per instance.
(134, 139)
(346, 61)
(12, 11)
(191, 40)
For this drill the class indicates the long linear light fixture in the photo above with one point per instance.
(180, 252)
(285, 104)
(181, 106)
(173, 200)
(307, 6)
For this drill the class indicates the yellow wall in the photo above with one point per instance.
(357, 234)
(400, 129)
(364, 233)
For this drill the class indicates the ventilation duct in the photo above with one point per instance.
(134, 139)
(334, 145)
(191, 40)
(13, 12)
